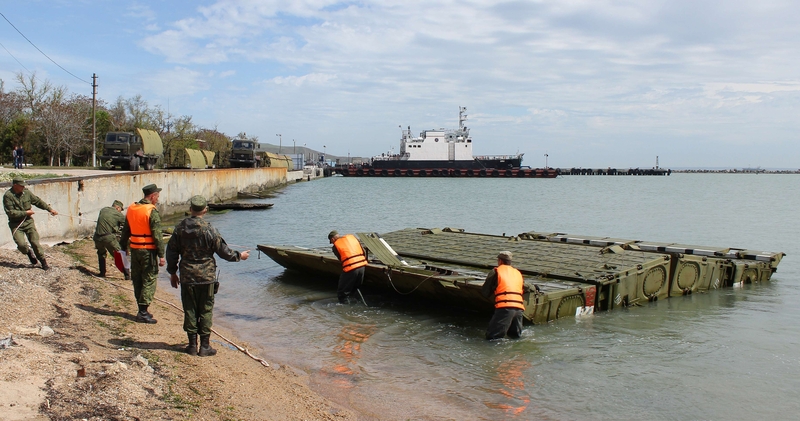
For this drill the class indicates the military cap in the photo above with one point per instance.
(197, 203)
(332, 234)
(504, 256)
(18, 180)
(150, 189)
(118, 203)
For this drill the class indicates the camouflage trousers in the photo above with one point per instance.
(198, 308)
(27, 229)
(144, 274)
(106, 244)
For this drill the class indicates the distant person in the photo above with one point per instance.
(109, 224)
(14, 156)
(17, 203)
(348, 250)
(142, 231)
(191, 250)
(506, 285)
(20, 157)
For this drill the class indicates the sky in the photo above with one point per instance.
(589, 83)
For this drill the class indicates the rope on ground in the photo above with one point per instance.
(234, 344)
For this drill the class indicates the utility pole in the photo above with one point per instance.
(545, 160)
(94, 120)
(280, 142)
(294, 147)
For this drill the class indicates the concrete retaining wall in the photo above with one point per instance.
(78, 200)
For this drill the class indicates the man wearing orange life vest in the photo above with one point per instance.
(506, 285)
(142, 230)
(348, 250)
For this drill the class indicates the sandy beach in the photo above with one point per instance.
(76, 353)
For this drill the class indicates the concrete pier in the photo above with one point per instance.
(79, 199)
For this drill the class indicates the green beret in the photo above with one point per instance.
(332, 234)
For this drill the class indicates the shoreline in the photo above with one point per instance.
(94, 362)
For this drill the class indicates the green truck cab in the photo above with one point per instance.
(247, 153)
(132, 150)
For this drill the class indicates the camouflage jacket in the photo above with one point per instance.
(109, 222)
(192, 247)
(16, 206)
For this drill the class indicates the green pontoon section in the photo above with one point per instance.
(565, 276)
(697, 268)
(621, 278)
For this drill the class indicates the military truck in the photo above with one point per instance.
(131, 150)
(246, 153)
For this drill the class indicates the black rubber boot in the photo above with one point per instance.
(32, 257)
(44, 264)
(191, 349)
(144, 316)
(101, 264)
(205, 347)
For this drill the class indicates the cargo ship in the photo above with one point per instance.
(441, 152)
(564, 275)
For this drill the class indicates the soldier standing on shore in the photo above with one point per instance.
(142, 231)
(192, 247)
(17, 203)
(109, 223)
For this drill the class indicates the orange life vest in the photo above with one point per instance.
(139, 221)
(350, 253)
(508, 293)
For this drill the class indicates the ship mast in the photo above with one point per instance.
(462, 117)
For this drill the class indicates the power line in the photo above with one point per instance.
(12, 56)
(34, 46)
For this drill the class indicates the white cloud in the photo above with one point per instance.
(178, 81)
(311, 79)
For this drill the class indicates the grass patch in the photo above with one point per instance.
(8, 176)
(120, 299)
(116, 330)
(151, 358)
(177, 401)
(73, 250)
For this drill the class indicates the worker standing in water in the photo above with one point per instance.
(506, 285)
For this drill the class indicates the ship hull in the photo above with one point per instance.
(444, 171)
(475, 164)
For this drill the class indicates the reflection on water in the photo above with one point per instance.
(511, 375)
(347, 352)
(705, 356)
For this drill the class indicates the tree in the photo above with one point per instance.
(218, 143)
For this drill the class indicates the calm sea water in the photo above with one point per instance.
(728, 354)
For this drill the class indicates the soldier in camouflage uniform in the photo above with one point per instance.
(142, 232)
(192, 247)
(109, 223)
(17, 203)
